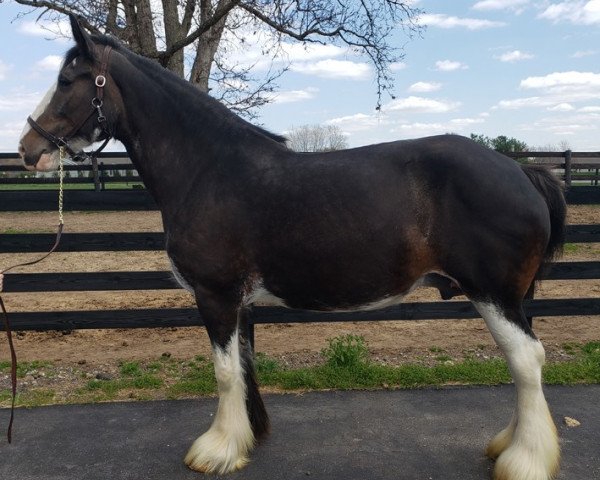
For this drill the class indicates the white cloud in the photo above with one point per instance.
(562, 79)
(342, 69)
(49, 63)
(449, 65)
(424, 87)
(420, 129)
(514, 56)
(414, 104)
(449, 21)
(589, 109)
(46, 29)
(501, 5)
(579, 12)
(20, 101)
(555, 89)
(4, 68)
(584, 53)
(561, 107)
(312, 51)
(563, 125)
(526, 102)
(465, 122)
(259, 46)
(9, 133)
(292, 96)
(393, 124)
(397, 66)
(358, 122)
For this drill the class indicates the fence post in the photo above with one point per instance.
(101, 175)
(568, 168)
(95, 173)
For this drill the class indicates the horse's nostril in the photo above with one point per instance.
(21, 150)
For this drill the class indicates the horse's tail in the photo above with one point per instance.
(552, 190)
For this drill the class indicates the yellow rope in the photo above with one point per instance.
(61, 174)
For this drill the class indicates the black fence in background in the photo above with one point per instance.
(122, 192)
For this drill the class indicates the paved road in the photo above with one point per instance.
(407, 435)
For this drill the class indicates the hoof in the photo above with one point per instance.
(216, 453)
(519, 464)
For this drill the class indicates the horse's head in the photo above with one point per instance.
(71, 114)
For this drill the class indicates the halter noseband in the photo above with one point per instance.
(97, 103)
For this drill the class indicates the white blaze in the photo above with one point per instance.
(39, 109)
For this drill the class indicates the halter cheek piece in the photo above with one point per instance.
(97, 103)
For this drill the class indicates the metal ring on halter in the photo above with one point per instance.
(96, 102)
(100, 81)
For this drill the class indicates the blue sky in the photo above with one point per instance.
(528, 69)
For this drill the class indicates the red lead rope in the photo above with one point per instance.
(13, 355)
(13, 369)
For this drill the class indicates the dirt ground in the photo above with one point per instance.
(292, 344)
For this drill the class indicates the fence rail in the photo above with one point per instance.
(98, 242)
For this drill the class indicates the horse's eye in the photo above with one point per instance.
(63, 82)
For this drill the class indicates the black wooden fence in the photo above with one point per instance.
(136, 199)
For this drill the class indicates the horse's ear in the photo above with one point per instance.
(82, 38)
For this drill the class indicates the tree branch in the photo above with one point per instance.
(220, 12)
(60, 9)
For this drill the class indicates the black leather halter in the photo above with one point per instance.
(97, 103)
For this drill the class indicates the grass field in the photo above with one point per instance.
(345, 366)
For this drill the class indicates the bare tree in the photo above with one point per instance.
(170, 31)
(317, 138)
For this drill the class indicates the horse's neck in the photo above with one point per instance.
(168, 155)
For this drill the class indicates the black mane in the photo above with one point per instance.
(176, 83)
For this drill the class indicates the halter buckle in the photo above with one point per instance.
(100, 81)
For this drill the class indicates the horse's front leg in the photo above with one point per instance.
(241, 418)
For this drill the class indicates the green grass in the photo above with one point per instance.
(25, 368)
(345, 366)
(364, 374)
(581, 248)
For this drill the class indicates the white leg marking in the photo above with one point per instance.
(532, 451)
(225, 446)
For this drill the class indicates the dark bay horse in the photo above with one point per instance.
(248, 220)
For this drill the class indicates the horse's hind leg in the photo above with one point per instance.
(528, 448)
(241, 417)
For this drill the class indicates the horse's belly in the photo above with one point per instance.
(262, 296)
